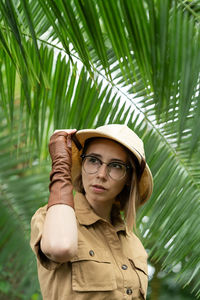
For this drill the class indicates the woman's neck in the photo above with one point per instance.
(102, 209)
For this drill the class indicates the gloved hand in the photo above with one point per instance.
(61, 189)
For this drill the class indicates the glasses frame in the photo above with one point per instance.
(128, 167)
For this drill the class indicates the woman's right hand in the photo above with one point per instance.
(60, 144)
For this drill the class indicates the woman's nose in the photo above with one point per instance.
(102, 172)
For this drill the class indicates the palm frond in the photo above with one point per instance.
(161, 39)
(21, 188)
(151, 48)
(172, 213)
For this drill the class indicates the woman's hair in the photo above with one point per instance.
(128, 199)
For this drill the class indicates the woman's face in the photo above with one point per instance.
(100, 186)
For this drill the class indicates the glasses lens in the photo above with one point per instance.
(116, 170)
(91, 164)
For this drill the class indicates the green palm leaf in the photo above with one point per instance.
(142, 53)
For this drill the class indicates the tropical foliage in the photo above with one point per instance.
(84, 63)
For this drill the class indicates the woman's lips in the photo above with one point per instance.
(98, 188)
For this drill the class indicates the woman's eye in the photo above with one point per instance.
(116, 166)
(93, 160)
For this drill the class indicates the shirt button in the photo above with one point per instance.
(129, 291)
(124, 267)
(91, 252)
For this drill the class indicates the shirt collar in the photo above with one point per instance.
(86, 215)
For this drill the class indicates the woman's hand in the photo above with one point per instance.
(69, 133)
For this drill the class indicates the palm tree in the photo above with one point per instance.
(80, 64)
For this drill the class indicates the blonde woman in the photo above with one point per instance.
(83, 238)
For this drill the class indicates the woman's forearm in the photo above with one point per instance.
(59, 238)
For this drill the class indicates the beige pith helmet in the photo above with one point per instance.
(126, 137)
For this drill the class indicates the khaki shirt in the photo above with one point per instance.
(111, 262)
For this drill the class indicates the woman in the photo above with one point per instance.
(84, 244)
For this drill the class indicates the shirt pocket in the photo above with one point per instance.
(92, 270)
(141, 269)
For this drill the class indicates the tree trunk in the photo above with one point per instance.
(155, 284)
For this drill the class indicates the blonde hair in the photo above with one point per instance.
(133, 203)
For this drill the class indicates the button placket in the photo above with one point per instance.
(129, 289)
(122, 262)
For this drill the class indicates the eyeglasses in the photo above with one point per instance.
(116, 170)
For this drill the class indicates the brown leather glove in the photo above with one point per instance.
(61, 189)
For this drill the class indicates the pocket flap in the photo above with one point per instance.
(140, 265)
(94, 254)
